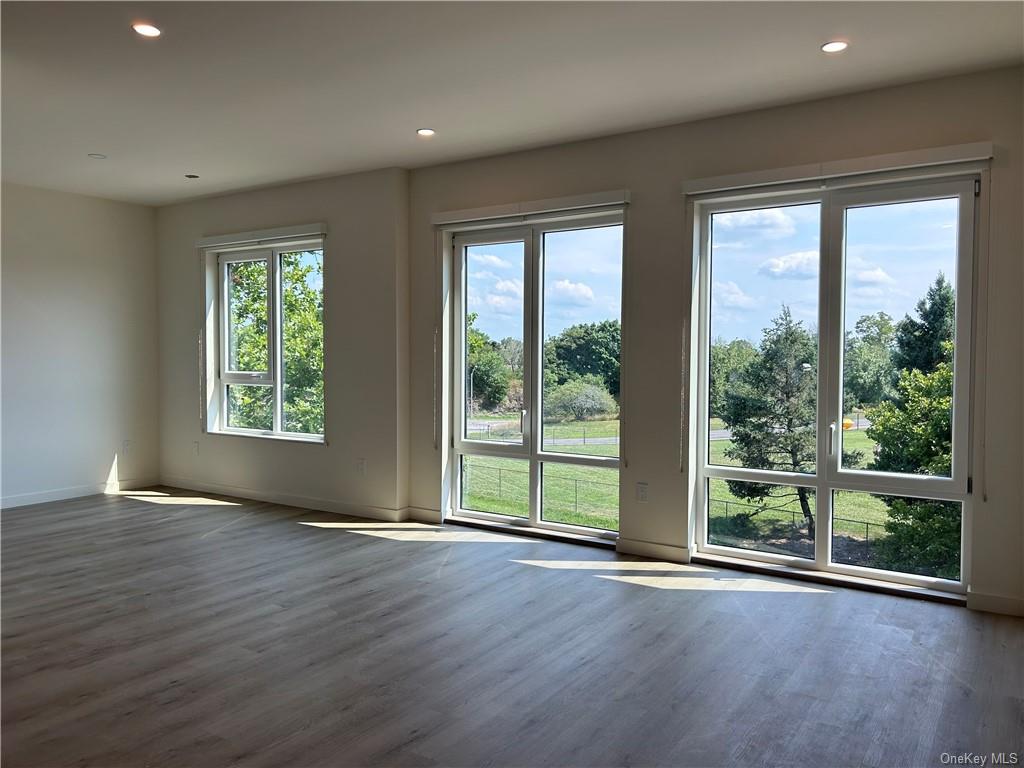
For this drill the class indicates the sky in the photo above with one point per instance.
(765, 258)
(582, 282)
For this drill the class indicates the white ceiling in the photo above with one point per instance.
(248, 94)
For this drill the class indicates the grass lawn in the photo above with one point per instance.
(587, 496)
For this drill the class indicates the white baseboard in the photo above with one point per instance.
(423, 515)
(672, 554)
(981, 601)
(288, 499)
(73, 492)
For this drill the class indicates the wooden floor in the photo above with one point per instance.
(147, 630)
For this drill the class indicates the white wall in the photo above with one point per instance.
(79, 365)
(652, 165)
(365, 348)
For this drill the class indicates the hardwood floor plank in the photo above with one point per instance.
(192, 629)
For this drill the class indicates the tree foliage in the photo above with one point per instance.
(921, 341)
(580, 398)
(487, 374)
(868, 370)
(586, 349)
(729, 361)
(771, 410)
(251, 406)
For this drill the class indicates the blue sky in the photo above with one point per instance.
(765, 258)
(582, 281)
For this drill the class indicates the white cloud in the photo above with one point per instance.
(574, 293)
(503, 305)
(876, 276)
(513, 287)
(799, 265)
(770, 222)
(483, 275)
(489, 259)
(728, 294)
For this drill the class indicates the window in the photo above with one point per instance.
(538, 347)
(270, 350)
(834, 343)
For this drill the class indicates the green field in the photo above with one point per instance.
(587, 496)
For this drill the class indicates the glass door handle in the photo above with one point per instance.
(832, 439)
(522, 419)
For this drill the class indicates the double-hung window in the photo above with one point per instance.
(835, 350)
(268, 347)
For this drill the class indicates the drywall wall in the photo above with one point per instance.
(365, 348)
(652, 165)
(80, 382)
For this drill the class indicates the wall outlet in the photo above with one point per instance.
(361, 466)
(195, 446)
(126, 448)
(641, 493)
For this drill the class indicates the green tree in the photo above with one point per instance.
(586, 349)
(580, 398)
(251, 406)
(771, 411)
(729, 360)
(868, 370)
(921, 342)
(487, 374)
(914, 436)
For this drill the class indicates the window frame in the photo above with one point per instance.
(829, 476)
(531, 232)
(219, 259)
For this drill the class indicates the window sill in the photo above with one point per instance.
(308, 440)
(530, 531)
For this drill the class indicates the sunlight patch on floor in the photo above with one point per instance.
(722, 584)
(437, 535)
(615, 565)
(360, 526)
(184, 501)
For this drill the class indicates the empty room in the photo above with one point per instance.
(512, 384)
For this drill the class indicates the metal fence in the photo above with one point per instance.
(503, 482)
(727, 506)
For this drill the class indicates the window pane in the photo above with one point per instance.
(582, 340)
(247, 316)
(762, 517)
(250, 407)
(580, 496)
(302, 321)
(900, 308)
(501, 486)
(762, 392)
(493, 365)
(897, 533)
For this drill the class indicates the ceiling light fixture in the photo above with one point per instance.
(425, 132)
(191, 175)
(146, 30)
(835, 46)
(97, 156)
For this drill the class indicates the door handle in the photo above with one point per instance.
(832, 439)
(522, 419)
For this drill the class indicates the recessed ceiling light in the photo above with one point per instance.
(191, 176)
(146, 30)
(97, 156)
(425, 132)
(835, 46)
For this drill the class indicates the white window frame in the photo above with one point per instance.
(218, 374)
(835, 199)
(530, 230)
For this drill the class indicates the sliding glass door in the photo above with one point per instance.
(835, 345)
(538, 341)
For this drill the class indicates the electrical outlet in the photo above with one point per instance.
(361, 466)
(126, 447)
(195, 446)
(641, 493)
